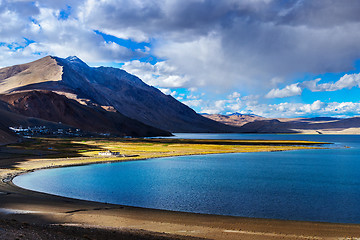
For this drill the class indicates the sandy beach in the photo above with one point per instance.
(26, 214)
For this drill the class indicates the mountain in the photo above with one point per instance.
(94, 88)
(11, 119)
(316, 125)
(6, 136)
(53, 107)
(234, 119)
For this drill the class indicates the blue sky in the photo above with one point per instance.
(274, 58)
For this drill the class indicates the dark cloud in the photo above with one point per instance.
(322, 13)
(23, 8)
(245, 43)
(258, 40)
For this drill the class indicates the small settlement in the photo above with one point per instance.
(45, 131)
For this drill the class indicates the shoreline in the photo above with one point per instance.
(46, 209)
(174, 224)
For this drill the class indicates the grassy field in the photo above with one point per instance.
(53, 152)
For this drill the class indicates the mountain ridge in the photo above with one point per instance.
(53, 107)
(108, 88)
(315, 125)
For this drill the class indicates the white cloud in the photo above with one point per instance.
(317, 108)
(160, 74)
(50, 34)
(288, 91)
(222, 106)
(343, 108)
(69, 37)
(13, 25)
(166, 91)
(193, 103)
(347, 81)
(285, 109)
(9, 56)
(200, 59)
(193, 89)
(234, 95)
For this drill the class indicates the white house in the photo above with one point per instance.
(109, 153)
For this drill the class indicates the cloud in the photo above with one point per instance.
(215, 44)
(347, 81)
(166, 91)
(222, 106)
(69, 37)
(193, 103)
(13, 23)
(251, 105)
(288, 91)
(317, 108)
(10, 57)
(161, 74)
(38, 29)
(227, 47)
(237, 42)
(234, 95)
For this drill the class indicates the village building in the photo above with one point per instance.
(109, 153)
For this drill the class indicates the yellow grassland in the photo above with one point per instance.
(67, 152)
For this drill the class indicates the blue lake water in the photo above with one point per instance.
(312, 185)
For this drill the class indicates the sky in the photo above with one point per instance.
(273, 58)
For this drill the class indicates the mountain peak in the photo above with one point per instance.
(75, 59)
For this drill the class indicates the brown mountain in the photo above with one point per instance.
(12, 119)
(53, 107)
(235, 119)
(111, 88)
(32, 107)
(317, 125)
(6, 136)
(305, 125)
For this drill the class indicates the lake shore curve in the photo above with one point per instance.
(39, 209)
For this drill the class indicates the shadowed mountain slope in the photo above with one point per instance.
(11, 119)
(53, 107)
(6, 136)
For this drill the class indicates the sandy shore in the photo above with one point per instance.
(26, 214)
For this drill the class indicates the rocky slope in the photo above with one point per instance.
(235, 119)
(110, 88)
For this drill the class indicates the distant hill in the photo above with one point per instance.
(235, 119)
(111, 89)
(316, 125)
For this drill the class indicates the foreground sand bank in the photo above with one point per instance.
(63, 217)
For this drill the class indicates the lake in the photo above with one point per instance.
(312, 185)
